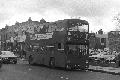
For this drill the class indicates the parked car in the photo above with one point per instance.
(8, 57)
(102, 56)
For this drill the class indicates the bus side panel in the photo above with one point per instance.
(30, 53)
(27, 54)
(38, 58)
(60, 59)
(46, 59)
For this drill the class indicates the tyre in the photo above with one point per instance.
(52, 62)
(68, 67)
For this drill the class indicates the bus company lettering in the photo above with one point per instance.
(41, 36)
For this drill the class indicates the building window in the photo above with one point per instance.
(103, 40)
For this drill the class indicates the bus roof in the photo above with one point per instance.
(65, 20)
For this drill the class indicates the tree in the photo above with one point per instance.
(116, 19)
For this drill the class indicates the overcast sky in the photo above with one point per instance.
(99, 13)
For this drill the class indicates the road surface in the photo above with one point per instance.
(27, 72)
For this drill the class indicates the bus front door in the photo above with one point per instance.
(77, 56)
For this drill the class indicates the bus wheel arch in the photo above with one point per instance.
(30, 60)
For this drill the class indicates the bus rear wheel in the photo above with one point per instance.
(52, 62)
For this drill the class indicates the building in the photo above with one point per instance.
(0, 40)
(13, 37)
(3, 34)
(102, 41)
(92, 40)
(114, 41)
(98, 40)
(10, 36)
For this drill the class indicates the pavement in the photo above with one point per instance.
(110, 70)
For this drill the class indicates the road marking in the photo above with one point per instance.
(61, 77)
(29, 69)
(67, 78)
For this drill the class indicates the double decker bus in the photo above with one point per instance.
(63, 43)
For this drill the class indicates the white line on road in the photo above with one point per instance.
(67, 78)
(61, 77)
